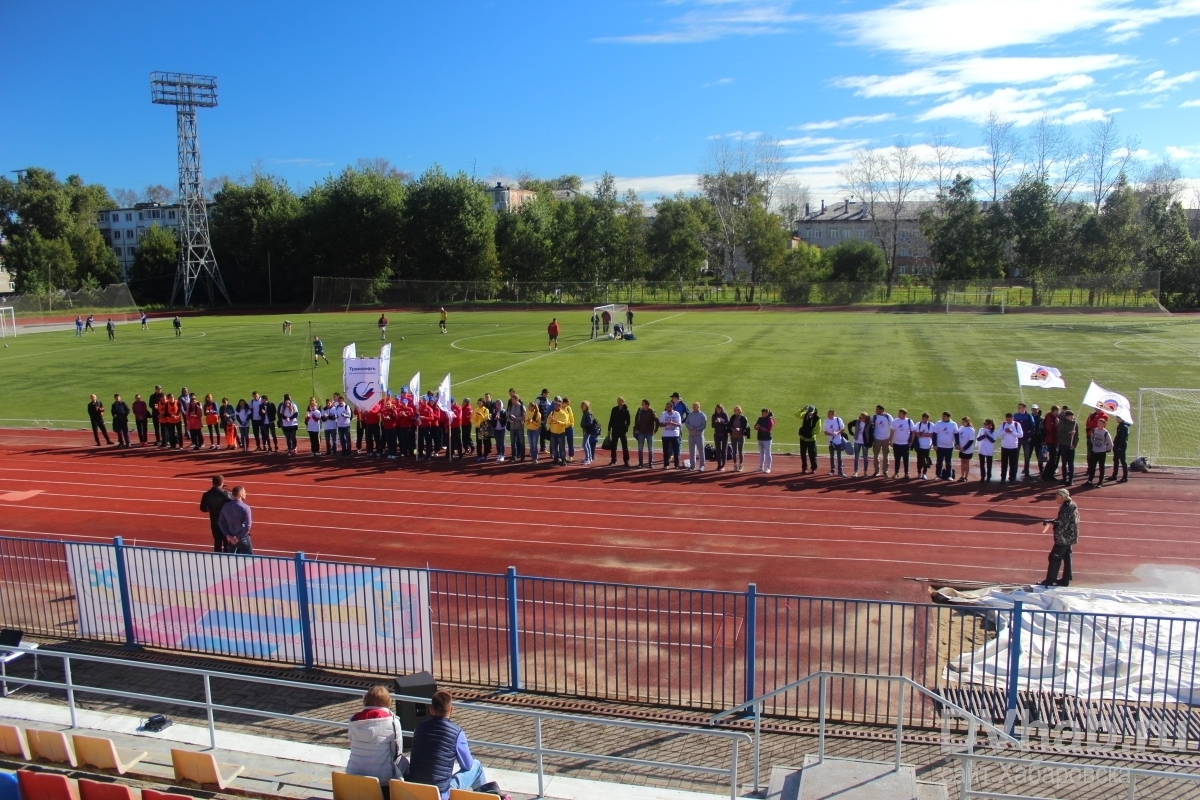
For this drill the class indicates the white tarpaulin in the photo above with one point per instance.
(1109, 645)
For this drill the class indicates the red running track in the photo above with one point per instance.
(787, 533)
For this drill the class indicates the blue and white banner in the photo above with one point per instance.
(361, 381)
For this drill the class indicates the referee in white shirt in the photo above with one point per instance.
(1010, 434)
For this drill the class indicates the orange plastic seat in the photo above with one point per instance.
(402, 790)
(356, 787)
(13, 743)
(203, 769)
(100, 752)
(51, 746)
(467, 794)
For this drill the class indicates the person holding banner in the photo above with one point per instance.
(1068, 439)
(1050, 439)
(1025, 444)
(1120, 444)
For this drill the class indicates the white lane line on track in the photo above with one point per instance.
(309, 497)
(674, 490)
(547, 353)
(634, 533)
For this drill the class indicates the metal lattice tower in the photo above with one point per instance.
(196, 261)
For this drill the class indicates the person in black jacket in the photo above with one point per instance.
(156, 397)
(1120, 446)
(269, 413)
(211, 503)
(120, 420)
(95, 411)
(618, 430)
(719, 421)
(739, 431)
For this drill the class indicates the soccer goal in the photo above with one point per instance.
(605, 319)
(8, 322)
(979, 301)
(1168, 427)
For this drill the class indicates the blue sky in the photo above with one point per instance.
(636, 88)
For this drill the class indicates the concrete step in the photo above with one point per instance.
(849, 779)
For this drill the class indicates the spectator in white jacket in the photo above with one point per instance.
(375, 739)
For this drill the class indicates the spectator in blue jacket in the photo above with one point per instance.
(1028, 434)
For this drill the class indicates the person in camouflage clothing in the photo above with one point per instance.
(1066, 534)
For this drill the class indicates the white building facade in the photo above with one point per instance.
(124, 228)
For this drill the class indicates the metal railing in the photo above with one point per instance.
(539, 751)
(823, 678)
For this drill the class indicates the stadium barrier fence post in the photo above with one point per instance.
(751, 639)
(1014, 663)
(126, 602)
(302, 610)
(514, 632)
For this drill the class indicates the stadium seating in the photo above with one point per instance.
(9, 788)
(466, 794)
(203, 769)
(356, 787)
(154, 794)
(99, 752)
(13, 743)
(51, 746)
(46, 786)
(97, 790)
(402, 790)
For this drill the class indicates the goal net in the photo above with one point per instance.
(8, 322)
(983, 301)
(1168, 427)
(606, 320)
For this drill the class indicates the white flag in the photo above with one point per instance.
(443, 394)
(1111, 402)
(361, 382)
(349, 351)
(414, 387)
(1030, 374)
(385, 366)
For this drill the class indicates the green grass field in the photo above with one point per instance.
(784, 360)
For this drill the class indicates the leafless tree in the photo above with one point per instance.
(381, 166)
(944, 162)
(884, 181)
(1001, 145)
(157, 194)
(1164, 179)
(126, 198)
(789, 199)
(770, 166)
(1107, 160)
(729, 178)
(1053, 155)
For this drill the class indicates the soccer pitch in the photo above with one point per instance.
(779, 359)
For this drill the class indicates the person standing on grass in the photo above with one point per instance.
(966, 448)
(87, 326)
(177, 324)
(810, 425)
(256, 419)
(1010, 435)
(945, 437)
(1066, 534)
(1120, 446)
(212, 418)
(145, 321)
(312, 424)
(442, 320)
(558, 433)
(645, 425)
(720, 428)
(881, 441)
(618, 431)
(112, 330)
(289, 420)
(78, 326)
(195, 424)
(985, 444)
(606, 320)
(1050, 439)
(863, 433)
(901, 440)
(595, 324)
(156, 398)
(318, 350)
(1100, 444)
(211, 503)
(1027, 422)
(739, 432)
(120, 420)
(552, 330)
(925, 436)
(670, 424)
(835, 435)
(629, 318)
(383, 323)
(242, 416)
(696, 424)
(141, 415)
(236, 522)
(1068, 440)
(763, 427)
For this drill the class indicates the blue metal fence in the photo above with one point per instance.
(684, 648)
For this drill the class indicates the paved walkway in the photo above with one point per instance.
(779, 748)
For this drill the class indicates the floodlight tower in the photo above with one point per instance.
(196, 260)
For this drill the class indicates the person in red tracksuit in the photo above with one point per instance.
(464, 433)
(389, 420)
(369, 419)
(407, 428)
(426, 443)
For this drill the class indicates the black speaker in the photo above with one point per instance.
(419, 684)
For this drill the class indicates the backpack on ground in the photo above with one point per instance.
(710, 452)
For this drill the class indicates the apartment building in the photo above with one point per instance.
(123, 228)
(830, 225)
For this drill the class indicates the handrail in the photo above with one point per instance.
(538, 750)
(1131, 773)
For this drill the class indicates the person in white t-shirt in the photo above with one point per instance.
(902, 437)
(985, 444)
(966, 447)
(881, 422)
(835, 434)
(944, 439)
(925, 436)
(1010, 434)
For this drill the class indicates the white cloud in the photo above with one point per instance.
(658, 185)
(951, 27)
(1159, 82)
(1185, 153)
(844, 122)
(720, 82)
(1190, 104)
(956, 76)
(708, 20)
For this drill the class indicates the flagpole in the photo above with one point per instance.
(1020, 386)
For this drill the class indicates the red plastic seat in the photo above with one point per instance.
(45, 786)
(100, 790)
(154, 794)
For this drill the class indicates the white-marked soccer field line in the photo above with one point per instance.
(547, 353)
(1146, 336)
(106, 343)
(632, 532)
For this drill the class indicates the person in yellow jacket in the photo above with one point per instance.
(566, 404)
(481, 421)
(559, 422)
(533, 429)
